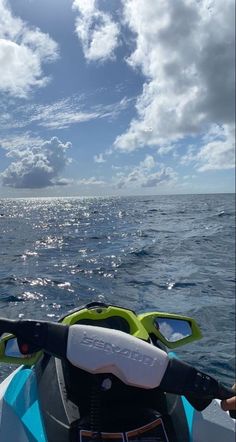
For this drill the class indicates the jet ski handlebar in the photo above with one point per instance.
(134, 361)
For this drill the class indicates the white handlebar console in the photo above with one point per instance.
(101, 350)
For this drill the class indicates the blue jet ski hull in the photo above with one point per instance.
(21, 417)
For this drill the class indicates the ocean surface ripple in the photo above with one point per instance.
(166, 253)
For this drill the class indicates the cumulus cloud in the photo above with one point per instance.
(141, 175)
(185, 49)
(36, 166)
(217, 151)
(23, 50)
(96, 30)
(19, 141)
(165, 176)
(148, 162)
(216, 155)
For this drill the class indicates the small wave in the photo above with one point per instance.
(207, 238)
(122, 214)
(50, 242)
(39, 282)
(140, 253)
(152, 230)
(145, 250)
(177, 285)
(147, 201)
(29, 296)
(56, 306)
(28, 254)
(223, 213)
(152, 210)
(64, 285)
(99, 237)
(9, 280)
(141, 234)
(185, 284)
(142, 283)
(26, 296)
(99, 271)
(55, 282)
(10, 298)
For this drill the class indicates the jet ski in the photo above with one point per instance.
(105, 373)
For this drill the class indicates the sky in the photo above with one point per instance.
(116, 97)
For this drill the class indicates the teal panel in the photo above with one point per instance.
(21, 396)
(189, 411)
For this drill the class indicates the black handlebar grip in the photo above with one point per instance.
(232, 413)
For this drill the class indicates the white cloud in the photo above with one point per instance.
(217, 151)
(148, 162)
(92, 181)
(96, 30)
(60, 114)
(140, 176)
(164, 176)
(217, 155)
(102, 157)
(36, 166)
(63, 113)
(99, 158)
(185, 49)
(25, 141)
(23, 50)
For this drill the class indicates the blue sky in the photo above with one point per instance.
(113, 97)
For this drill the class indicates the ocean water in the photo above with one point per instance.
(167, 253)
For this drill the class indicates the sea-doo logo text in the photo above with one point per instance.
(99, 344)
